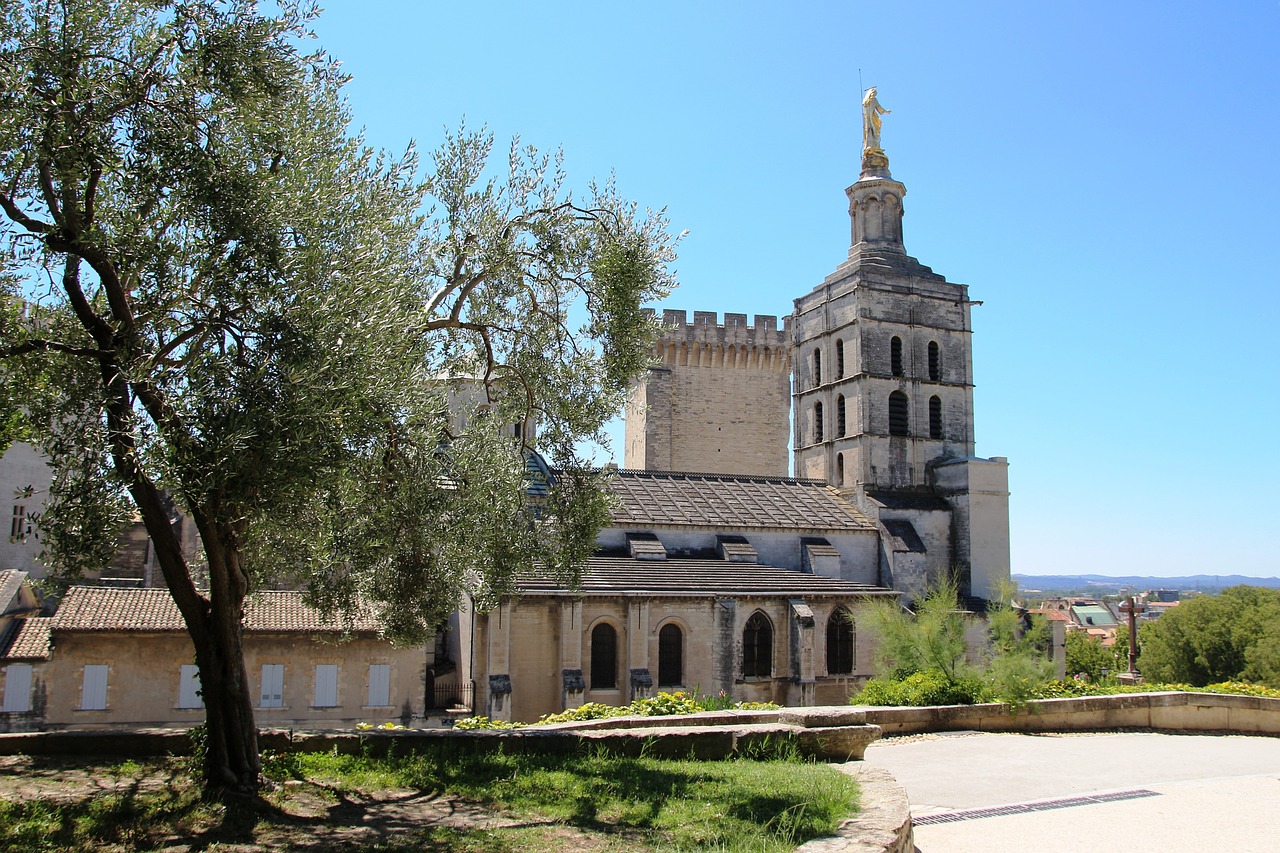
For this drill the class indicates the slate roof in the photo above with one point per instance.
(909, 500)
(649, 499)
(10, 582)
(26, 639)
(93, 608)
(695, 578)
(903, 536)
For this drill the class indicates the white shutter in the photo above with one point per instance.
(379, 685)
(326, 685)
(93, 692)
(189, 687)
(272, 685)
(17, 688)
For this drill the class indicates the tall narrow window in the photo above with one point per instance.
(757, 647)
(935, 364)
(272, 695)
(817, 423)
(604, 657)
(17, 688)
(839, 469)
(895, 356)
(93, 690)
(840, 422)
(189, 687)
(840, 642)
(817, 367)
(379, 695)
(670, 656)
(899, 414)
(935, 417)
(839, 358)
(326, 692)
(19, 517)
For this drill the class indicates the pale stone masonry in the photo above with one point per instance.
(717, 399)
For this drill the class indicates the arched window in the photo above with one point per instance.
(839, 358)
(757, 647)
(817, 367)
(817, 423)
(670, 656)
(935, 417)
(839, 469)
(895, 356)
(935, 364)
(604, 657)
(899, 414)
(840, 422)
(840, 642)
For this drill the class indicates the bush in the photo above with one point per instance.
(930, 687)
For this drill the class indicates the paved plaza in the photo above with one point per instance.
(1127, 791)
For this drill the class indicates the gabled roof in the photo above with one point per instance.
(655, 499)
(695, 578)
(10, 583)
(93, 608)
(26, 639)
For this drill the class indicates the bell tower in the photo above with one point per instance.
(882, 371)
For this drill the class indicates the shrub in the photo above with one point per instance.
(929, 687)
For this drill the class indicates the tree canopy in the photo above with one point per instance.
(215, 295)
(1232, 636)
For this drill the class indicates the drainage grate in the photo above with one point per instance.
(1027, 808)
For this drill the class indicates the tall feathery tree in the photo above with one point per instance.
(215, 297)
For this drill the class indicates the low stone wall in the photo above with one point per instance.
(1173, 711)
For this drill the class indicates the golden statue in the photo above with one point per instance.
(871, 112)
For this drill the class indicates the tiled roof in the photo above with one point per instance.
(650, 499)
(698, 578)
(26, 639)
(91, 608)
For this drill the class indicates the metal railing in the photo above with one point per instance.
(452, 696)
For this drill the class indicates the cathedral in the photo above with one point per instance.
(736, 565)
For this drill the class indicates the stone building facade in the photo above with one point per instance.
(881, 405)
(717, 400)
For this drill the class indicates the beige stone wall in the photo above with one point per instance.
(143, 679)
(711, 629)
(718, 400)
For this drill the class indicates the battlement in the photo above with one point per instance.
(706, 328)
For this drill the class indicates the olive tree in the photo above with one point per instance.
(215, 296)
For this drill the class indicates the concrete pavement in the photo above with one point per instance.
(1128, 791)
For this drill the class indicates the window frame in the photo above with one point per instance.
(757, 647)
(669, 658)
(841, 623)
(189, 688)
(94, 680)
(895, 356)
(268, 699)
(324, 692)
(899, 414)
(17, 701)
(604, 676)
(936, 425)
(378, 676)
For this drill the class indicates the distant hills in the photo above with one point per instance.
(1103, 584)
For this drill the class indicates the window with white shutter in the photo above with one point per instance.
(272, 686)
(189, 687)
(326, 695)
(93, 690)
(379, 685)
(17, 688)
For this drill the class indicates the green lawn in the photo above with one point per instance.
(439, 801)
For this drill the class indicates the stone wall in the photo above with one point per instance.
(717, 400)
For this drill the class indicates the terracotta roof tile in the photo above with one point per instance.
(89, 608)
(669, 499)
(28, 639)
(699, 578)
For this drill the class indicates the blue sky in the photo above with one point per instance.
(1104, 177)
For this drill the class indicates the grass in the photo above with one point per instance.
(593, 802)
(670, 805)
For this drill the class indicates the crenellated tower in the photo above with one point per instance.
(717, 400)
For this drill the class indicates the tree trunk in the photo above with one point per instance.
(231, 758)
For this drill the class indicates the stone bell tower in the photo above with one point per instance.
(883, 395)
